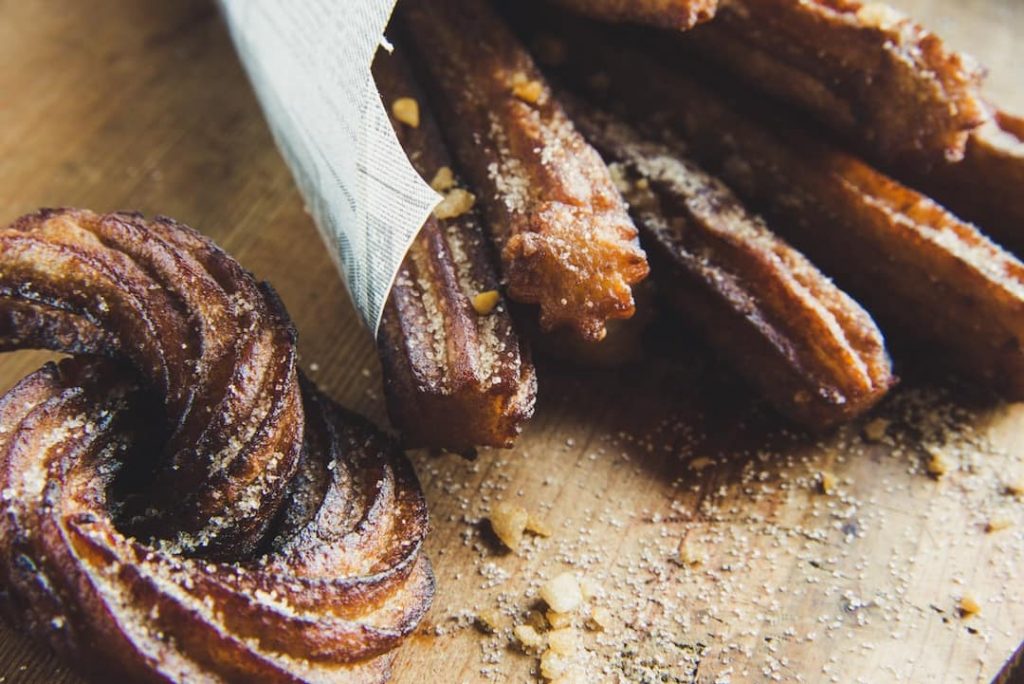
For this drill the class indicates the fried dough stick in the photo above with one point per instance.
(986, 187)
(800, 340)
(567, 243)
(455, 373)
(915, 266)
(669, 14)
(864, 70)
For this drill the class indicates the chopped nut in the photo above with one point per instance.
(562, 593)
(600, 619)
(875, 430)
(558, 620)
(525, 89)
(968, 607)
(553, 665)
(590, 589)
(407, 110)
(456, 203)
(508, 522)
(484, 303)
(443, 180)
(937, 465)
(1015, 488)
(490, 620)
(700, 463)
(689, 554)
(535, 618)
(826, 482)
(528, 637)
(563, 641)
(997, 524)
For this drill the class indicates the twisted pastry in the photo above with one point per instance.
(276, 538)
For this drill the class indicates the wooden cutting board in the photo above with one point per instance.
(134, 104)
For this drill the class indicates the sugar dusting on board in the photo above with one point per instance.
(719, 555)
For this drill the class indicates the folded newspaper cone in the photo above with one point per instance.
(309, 63)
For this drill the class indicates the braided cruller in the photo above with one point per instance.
(189, 509)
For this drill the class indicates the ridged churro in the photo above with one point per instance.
(802, 342)
(455, 374)
(915, 266)
(669, 14)
(567, 243)
(860, 68)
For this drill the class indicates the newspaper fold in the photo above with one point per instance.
(309, 63)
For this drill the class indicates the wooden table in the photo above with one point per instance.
(127, 104)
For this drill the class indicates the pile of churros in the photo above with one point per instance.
(788, 172)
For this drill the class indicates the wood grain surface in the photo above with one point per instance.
(136, 104)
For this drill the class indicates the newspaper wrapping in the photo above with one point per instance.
(309, 63)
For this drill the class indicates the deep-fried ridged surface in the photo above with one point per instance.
(915, 266)
(670, 14)
(454, 378)
(987, 186)
(333, 510)
(806, 345)
(567, 243)
(860, 67)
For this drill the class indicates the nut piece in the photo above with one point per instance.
(490, 620)
(600, 619)
(937, 465)
(484, 304)
(1015, 488)
(554, 665)
(406, 110)
(456, 203)
(590, 589)
(529, 637)
(444, 179)
(527, 90)
(826, 482)
(968, 607)
(562, 593)
(508, 522)
(536, 525)
(997, 524)
(558, 620)
(689, 554)
(563, 641)
(875, 430)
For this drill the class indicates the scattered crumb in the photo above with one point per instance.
(700, 463)
(529, 637)
(525, 89)
(590, 589)
(444, 180)
(875, 430)
(559, 620)
(600, 619)
(490, 620)
(937, 464)
(1015, 488)
(563, 641)
(562, 593)
(968, 607)
(997, 524)
(689, 554)
(485, 302)
(455, 203)
(554, 665)
(826, 482)
(407, 110)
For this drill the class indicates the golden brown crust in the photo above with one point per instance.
(455, 377)
(567, 243)
(916, 267)
(861, 68)
(801, 341)
(670, 14)
(986, 186)
(308, 523)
